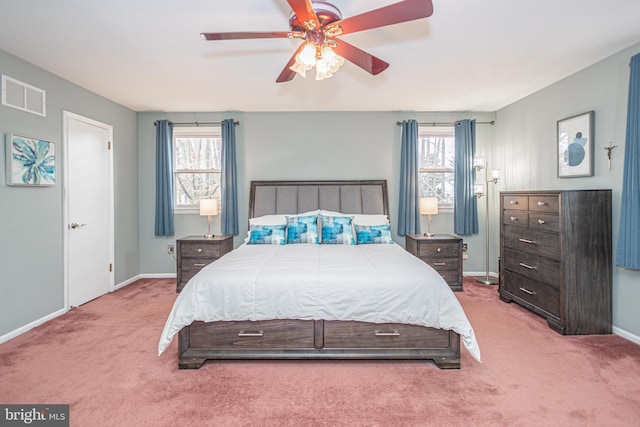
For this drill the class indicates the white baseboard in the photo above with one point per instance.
(627, 335)
(479, 273)
(21, 330)
(158, 276)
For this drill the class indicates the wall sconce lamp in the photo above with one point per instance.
(480, 190)
(428, 207)
(208, 208)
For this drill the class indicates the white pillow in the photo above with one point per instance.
(268, 220)
(364, 219)
(361, 219)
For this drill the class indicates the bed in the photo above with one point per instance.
(312, 300)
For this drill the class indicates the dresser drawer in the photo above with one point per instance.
(253, 334)
(443, 264)
(516, 218)
(543, 221)
(198, 250)
(339, 334)
(533, 267)
(533, 292)
(516, 202)
(544, 203)
(438, 250)
(532, 241)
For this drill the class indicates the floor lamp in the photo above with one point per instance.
(483, 190)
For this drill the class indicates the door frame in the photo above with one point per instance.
(67, 115)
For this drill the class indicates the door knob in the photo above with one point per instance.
(76, 225)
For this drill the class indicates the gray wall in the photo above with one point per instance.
(31, 228)
(297, 145)
(525, 148)
(300, 145)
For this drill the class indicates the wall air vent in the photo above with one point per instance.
(22, 96)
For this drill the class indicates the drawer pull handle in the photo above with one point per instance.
(387, 334)
(513, 202)
(514, 218)
(527, 291)
(541, 221)
(531, 242)
(199, 265)
(439, 263)
(542, 203)
(439, 250)
(530, 267)
(244, 333)
(199, 250)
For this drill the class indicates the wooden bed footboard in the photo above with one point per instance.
(315, 339)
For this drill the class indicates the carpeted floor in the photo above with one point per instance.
(107, 369)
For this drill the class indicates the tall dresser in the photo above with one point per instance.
(556, 257)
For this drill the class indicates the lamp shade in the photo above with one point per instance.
(496, 174)
(428, 206)
(208, 207)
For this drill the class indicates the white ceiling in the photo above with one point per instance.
(471, 55)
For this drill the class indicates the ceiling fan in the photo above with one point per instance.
(319, 23)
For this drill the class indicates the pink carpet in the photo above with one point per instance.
(108, 371)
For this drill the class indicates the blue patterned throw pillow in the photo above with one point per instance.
(302, 229)
(337, 230)
(267, 235)
(367, 234)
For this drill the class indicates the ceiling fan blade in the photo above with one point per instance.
(396, 13)
(246, 35)
(362, 59)
(287, 73)
(304, 11)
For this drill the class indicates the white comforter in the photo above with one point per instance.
(371, 283)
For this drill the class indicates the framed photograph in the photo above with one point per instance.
(30, 161)
(575, 146)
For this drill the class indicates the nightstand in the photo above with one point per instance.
(443, 252)
(195, 252)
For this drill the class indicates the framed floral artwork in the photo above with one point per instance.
(575, 146)
(30, 161)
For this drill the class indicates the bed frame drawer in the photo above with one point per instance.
(341, 334)
(253, 334)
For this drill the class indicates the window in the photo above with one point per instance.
(436, 157)
(196, 166)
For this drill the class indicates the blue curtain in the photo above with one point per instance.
(409, 210)
(628, 253)
(229, 181)
(465, 220)
(164, 178)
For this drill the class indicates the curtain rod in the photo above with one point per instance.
(492, 122)
(196, 123)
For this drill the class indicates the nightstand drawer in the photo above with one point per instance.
(199, 250)
(443, 264)
(196, 263)
(438, 250)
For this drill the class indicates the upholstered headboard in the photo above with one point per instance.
(292, 197)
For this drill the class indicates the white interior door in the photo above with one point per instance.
(89, 214)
